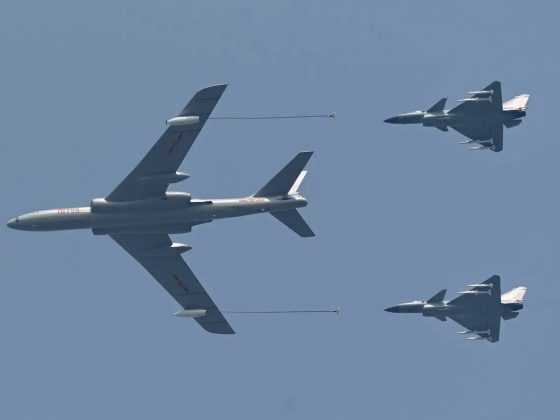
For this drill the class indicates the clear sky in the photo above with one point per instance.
(400, 212)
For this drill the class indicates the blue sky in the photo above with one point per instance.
(399, 212)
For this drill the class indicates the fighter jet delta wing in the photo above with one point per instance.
(163, 260)
(158, 169)
(484, 319)
(481, 101)
(488, 135)
(483, 327)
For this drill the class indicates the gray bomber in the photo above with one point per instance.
(478, 310)
(481, 117)
(139, 214)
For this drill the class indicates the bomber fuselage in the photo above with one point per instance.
(173, 213)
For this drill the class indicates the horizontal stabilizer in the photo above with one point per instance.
(283, 181)
(512, 123)
(438, 297)
(509, 315)
(438, 106)
(294, 221)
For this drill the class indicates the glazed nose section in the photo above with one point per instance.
(393, 309)
(13, 223)
(392, 120)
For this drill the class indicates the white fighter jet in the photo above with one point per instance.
(139, 214)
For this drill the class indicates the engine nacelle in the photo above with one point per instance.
(170, 201)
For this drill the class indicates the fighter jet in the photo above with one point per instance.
(478, 310)
(139, 214)
(481, 117)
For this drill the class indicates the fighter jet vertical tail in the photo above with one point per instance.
(283, 181)
(438, 297)
(438, 106)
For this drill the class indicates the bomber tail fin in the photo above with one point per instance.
(286, 181)
(438, 106)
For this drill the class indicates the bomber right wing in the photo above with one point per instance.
(163, 261)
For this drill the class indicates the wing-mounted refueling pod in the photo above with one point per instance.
(190, 313)
(184, 120)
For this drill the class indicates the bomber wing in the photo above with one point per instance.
(154, 173)
(487, 135)
(157, 255)
(486, 100)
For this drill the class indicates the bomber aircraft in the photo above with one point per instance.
(481, 117)
(478, 310)
(139, 214)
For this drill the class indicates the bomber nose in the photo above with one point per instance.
(392, 120)
(12, 223)
(393, 309)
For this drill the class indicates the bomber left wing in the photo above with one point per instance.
(163, 260)
(487, 135)
(154, 173)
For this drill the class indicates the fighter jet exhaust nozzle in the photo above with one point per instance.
(186, 120)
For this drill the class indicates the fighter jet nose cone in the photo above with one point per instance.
(392, 120)
(393, 309)
(11, 223)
